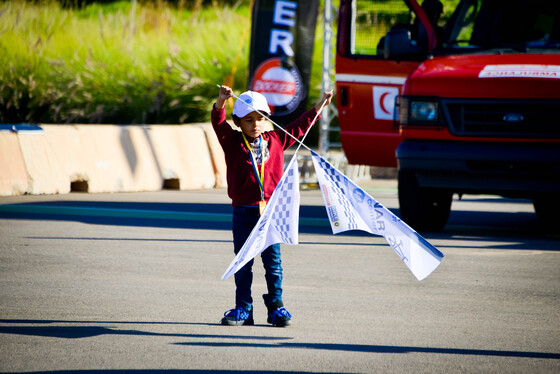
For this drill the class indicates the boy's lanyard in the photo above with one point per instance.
(260, 176)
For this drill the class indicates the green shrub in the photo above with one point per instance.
(123, 62)
(129, 63)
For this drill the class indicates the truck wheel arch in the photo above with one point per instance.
(424, 209)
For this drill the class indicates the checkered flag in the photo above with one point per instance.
(350, 208)
(279, 222)
(283, 211)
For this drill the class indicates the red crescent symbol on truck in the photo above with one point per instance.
(382, 102)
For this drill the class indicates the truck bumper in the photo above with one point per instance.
(518, 170)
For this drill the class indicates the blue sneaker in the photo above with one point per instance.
(238, 317)
(280, 317)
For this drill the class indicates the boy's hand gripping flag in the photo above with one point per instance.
(350, 208)
(279, 222)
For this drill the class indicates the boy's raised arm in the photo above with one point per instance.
(225, 94)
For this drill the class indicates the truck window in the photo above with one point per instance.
(460, 26)
(370, 21)
(457, 22)
(477, 25)
(516, 23)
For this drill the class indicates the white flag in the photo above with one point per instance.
(350, 208)
(279, 222)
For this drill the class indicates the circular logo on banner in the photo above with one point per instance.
(280, 82)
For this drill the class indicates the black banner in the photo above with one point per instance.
(282, 37)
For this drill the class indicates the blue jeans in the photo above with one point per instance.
(244, 220)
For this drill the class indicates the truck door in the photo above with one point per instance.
(367, 84)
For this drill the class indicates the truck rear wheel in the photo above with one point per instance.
(424, 209)
(547, 207)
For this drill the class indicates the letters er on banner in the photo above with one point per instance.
(282, 37)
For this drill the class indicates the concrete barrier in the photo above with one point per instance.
(13, 177)
(217, 155)
(110, 158)
(119, 159)
(66, 149)
(183, 157)
(45, 169)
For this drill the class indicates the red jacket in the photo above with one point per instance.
(243, 186)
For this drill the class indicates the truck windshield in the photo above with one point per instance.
(461, 26)
(516, 25)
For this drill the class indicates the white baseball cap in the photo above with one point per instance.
(250, 101)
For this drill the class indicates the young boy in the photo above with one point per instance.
(255, 163)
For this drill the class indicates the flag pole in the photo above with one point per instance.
(312, 123)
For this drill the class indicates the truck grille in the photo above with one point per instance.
(493, 118)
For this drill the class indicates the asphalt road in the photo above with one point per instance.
(131, 283)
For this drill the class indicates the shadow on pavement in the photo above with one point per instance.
(141, 371)
(164, 215)
(77, 332)
(84, 329)
(29, 328)
(384, 349)
(523, 227)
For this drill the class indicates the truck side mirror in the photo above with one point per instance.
(398, 45)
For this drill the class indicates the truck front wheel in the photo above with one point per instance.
(547, 207)
(424, 209)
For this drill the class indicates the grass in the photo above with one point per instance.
(117, 63)
(123, 62)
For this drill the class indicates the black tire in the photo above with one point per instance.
(423, 209)
(547, 207)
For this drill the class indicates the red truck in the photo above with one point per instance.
(462, 96)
